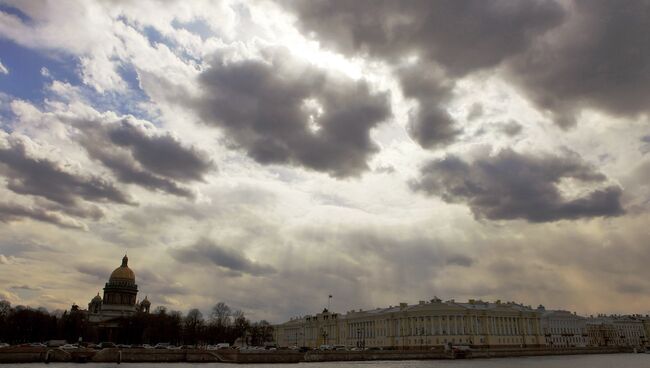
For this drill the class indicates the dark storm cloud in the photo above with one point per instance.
(633, 287)
(207, 252)
(590, 54)
(405, 250)
(463, 36)
(160, 153)
(460, 37)
(10, 212)
(45, 178)
(600, 60)
(137, 154)
(88, 211)
(475, 111)
(127, 171)
(26, 287)
(280, 110)
(430, 125)
(95, 270)
(510, 128)
(510, 185)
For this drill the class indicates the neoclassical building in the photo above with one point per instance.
(616, 330)
(120, 297)
(421, 325)
(564, 329)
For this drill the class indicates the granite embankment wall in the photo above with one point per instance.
(26, 354)
(30, 355)
(197, 356)
(521, 352)
(333, 356)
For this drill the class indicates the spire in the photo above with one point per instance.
(125, 261)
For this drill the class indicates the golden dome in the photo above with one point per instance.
(123, 272)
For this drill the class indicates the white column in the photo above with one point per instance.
(462, 325)
(448, 325)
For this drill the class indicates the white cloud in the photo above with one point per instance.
(5, 260)
(361, 239)
(3, 69)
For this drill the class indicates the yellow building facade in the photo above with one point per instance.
(421, 325)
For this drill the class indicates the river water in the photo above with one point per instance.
(571, 361)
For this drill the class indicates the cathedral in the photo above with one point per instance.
(120, 297)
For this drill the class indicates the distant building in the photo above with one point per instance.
(601, 332)
(422, 325)
(616, 331)
(120, 297)
(119, 302)
(630, 331)
(646, 329)
(563, 329)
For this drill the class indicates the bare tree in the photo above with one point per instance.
(193, 328)
(5, 307)
(221, 314)
(194, 318)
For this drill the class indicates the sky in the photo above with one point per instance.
(269, 154)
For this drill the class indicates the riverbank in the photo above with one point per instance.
(34, 355)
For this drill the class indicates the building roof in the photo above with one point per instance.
(123, 272)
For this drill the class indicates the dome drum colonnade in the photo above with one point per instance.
(121, 290)
(120, 296)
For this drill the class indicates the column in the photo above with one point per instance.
(446, 324)
(462, 325)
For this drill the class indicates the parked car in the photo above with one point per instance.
(37, 345)
(106, 345)
(223, 345)
(161, 345)
(147, 346)
(68, 347)
(325, 347)
(4, 345)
